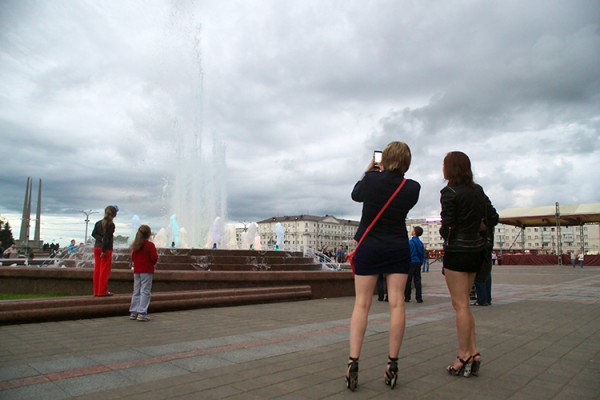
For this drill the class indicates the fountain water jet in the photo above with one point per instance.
(198, 193)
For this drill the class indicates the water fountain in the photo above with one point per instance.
(197, 193)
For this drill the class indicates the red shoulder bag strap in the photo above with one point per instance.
(380, 212)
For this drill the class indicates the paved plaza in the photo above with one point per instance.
(539, 340)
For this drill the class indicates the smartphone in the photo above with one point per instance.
(377, 157)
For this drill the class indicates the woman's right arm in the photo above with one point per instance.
(358, 193)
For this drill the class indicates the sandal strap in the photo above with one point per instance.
(464, 362)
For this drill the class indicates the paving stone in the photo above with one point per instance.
(538, 341)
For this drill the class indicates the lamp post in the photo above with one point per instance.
(558, 235)
(87, 221)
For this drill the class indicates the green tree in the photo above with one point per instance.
(6, 236)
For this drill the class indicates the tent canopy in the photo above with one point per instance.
(570, 215)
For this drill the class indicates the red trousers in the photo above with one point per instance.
(102, 269)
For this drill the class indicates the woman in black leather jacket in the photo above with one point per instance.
(466, 215)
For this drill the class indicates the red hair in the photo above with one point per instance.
(457, 169)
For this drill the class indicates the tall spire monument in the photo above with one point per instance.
(24, 244)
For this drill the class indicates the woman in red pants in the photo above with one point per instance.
(103, 232)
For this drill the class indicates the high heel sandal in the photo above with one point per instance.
(391, 372)
(475, 365)
(352, 374)
(464, 366)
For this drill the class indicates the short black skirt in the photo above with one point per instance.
(463, 261)
(381, 260)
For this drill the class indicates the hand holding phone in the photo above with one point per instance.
(377, 158)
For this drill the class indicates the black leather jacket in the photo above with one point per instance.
(103, 239)
(463, 209)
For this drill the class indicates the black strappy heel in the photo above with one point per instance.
(352, 374)
(464, 366)
(475, 365)
(391, 372)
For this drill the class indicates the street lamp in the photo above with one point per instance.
(87, 221)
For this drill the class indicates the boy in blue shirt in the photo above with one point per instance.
(417, 257)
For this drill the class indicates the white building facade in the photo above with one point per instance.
(302, 232)
(539, 240)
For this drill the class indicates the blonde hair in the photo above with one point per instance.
(396, 157)
(143, 234)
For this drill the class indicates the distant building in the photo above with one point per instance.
(302, 232)
(540, 240)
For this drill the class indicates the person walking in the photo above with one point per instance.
(466, 214)
(426, 261)
(383, 250)
(340, 256)
(103, 232)
(580, 259)
(144, 258)
(483, 285)
(381, 292)
(417, 258)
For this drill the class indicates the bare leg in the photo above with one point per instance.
(459, 285)
(396, 284)
(364, 287)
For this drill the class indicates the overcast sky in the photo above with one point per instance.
(95, 96)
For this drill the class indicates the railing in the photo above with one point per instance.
(321, 258)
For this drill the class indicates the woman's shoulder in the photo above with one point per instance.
(448, 190)
(412, 182)
(461, 188)
(412, 185)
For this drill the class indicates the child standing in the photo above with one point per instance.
(144, 257)
(104, 231)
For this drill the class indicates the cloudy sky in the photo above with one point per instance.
(288, 100)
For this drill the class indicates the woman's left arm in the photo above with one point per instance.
(153, 253)
(491, 215)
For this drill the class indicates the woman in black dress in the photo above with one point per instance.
(385, 250)
(466, 214)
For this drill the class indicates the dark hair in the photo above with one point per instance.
(110, 212)
(457, 169)
(418, 230)
(143, 234)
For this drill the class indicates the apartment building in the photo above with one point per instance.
(302, 232)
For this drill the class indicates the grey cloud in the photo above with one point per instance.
(300, 94)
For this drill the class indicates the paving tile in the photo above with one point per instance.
(539, 340)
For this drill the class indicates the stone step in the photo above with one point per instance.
(80, 307)
(191, 266)
(225, 267)
(184, 260)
